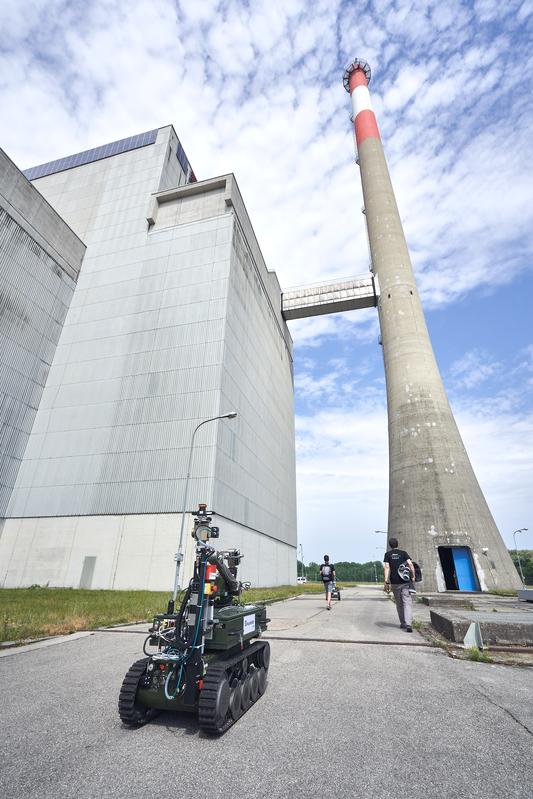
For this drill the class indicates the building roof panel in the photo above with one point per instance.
(95, 154)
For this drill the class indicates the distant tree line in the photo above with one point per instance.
(526, 559)
(372, 570)
(346, 571)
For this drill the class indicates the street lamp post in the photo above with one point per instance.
(521, 530)
(381, 550)
(179, 553)
(383, 532)
(302, 557)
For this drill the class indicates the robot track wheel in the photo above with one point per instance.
(231, 687)
(215, 711)
(131, 713)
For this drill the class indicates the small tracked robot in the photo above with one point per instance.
(207, 660)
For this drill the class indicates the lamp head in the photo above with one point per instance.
(230, 415)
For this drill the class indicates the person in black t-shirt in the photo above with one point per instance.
(399, 570)
(327, 572)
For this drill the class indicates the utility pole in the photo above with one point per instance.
(521, 530)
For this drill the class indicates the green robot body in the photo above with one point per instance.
(208, 660)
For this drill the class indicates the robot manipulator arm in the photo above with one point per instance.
(233, 585)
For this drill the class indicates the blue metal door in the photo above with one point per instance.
(464, 569)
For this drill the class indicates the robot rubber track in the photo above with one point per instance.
(231, 687)
(131, 713)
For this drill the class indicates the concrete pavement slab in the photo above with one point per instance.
(363, 614)
(353, 720)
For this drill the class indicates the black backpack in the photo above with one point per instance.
(405, 574)
(327, 572)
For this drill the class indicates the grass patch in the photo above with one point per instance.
(36, 612)
(477, 655)
(502, 592)
(280, 592)
(39, 612)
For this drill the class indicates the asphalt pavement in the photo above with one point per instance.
(354, 707)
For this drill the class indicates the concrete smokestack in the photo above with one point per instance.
(436, 507)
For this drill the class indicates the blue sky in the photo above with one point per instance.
(255, 88)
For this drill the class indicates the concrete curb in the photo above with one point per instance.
(508, 629)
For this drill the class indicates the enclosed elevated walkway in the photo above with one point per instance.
(348, 294)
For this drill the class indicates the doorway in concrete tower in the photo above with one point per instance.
(458, 568)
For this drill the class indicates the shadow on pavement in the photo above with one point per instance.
(187, 723)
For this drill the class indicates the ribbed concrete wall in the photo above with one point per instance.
(130, 381)
(155, 342)
(97, 445)
(39, 262)
(256, 460)
(124, 552)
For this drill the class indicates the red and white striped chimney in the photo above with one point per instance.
(434, 498)
(356, 80)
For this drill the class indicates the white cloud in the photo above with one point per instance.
(410, 80)
(525, 10)
(473, 368)
(500, 446)
(334, 382)
(255, 84)
(350, 325)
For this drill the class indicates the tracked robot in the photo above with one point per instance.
(205, 657)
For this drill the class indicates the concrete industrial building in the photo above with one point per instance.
(436, 507)
(175, 319)
(40, 259)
